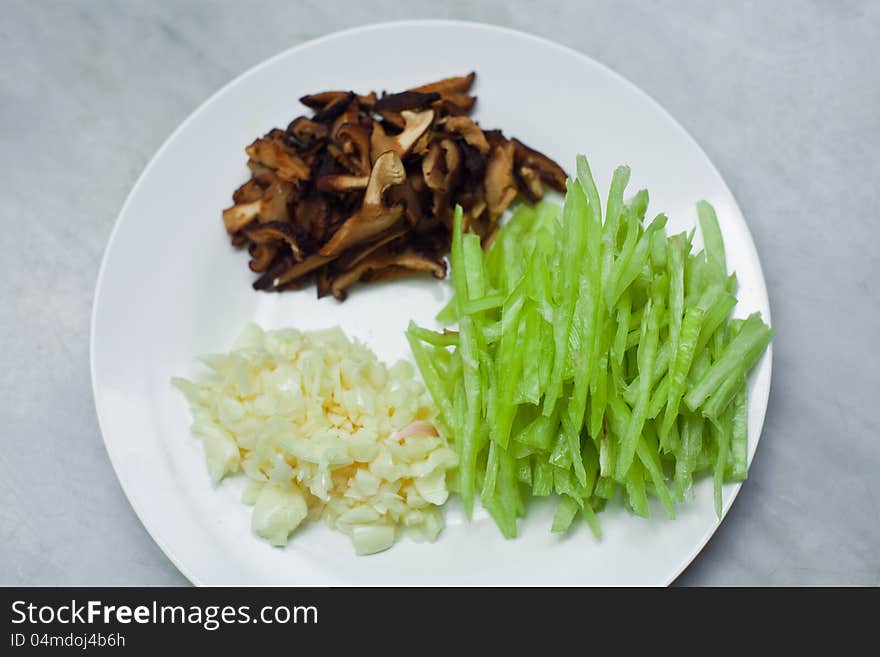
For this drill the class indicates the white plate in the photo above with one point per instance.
(171, 287)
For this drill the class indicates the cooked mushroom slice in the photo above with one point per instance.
(422, 143)
(494, 137)
(322, 285)
(286, 163)
(409, 259)
(321, 100)
(240, 215)
(415, 124)
(535, 167)
(367, 102)
(406, 194)
(448, 85)
(288, 270)
(463, 101)
(441, 168)
(469, 131)
(472, 200)
(311, 216)
(355, 141)
(239, 240)
(392, 122)
(248, 192)
(262, 255)
(529, 184)
(405, 100)
(389, 273)
(500, 186)
(349, 116)
(341, 182)
(305, 133)
(334, 108)
(374, 216)
(366, 183)
(338, 155)
(275, 231)
(474, 164)
(258, 169)
(274, 201)
(354, 255)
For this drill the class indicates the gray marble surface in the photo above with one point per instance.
(783, 96)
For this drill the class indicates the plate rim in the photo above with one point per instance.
(341, 34)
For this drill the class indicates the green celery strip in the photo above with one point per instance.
(713, 241)
(590, 353)
(722, 429)
(739, 445)
(433, 382)
(574, 214)
(741, 354)
(684, 355)
(592, 521)
(565, 513)
(635, 490)
(647, 352)
(433, 338)
(487, 302)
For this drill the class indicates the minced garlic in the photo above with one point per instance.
(322, 427)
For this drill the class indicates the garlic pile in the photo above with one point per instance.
(323, 428)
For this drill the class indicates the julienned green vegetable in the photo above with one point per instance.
(592, 354)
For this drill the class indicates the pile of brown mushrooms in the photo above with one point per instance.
(364, 190)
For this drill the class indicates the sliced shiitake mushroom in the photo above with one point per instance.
(262, 254)
(274, 231)
(374, 216)
(415, 124)
(469, 131)
(534, 167)
(248, 192)
(240, 215)
(406, 193)
(500, 185)
(287, 270)
(354, 139)
(442, 169)
(311, 216)
(274, 155)
(341, 183)
(334, 108)
(364, 188)
(304, 133)
(405, 100)
(274, 201)
(409, 259)
(448, 86)
(321, 100)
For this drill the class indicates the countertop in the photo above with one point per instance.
(783, 97)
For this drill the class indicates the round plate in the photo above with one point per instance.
(171, 288)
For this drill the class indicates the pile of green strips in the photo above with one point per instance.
(592, 353)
